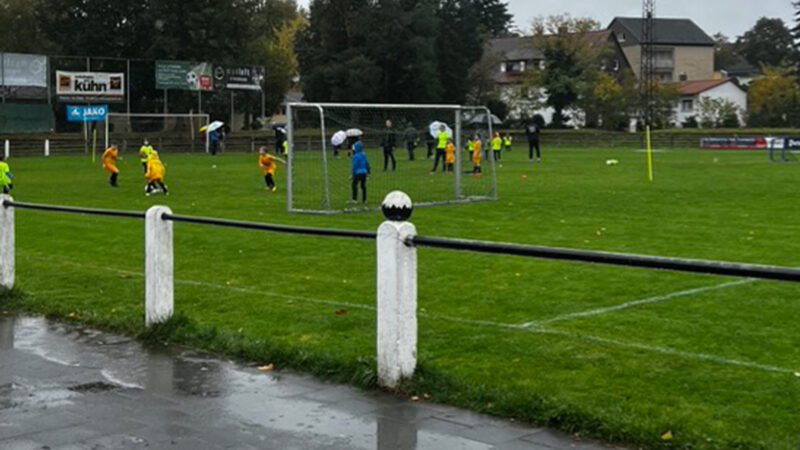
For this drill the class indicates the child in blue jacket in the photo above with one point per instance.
(359, 170)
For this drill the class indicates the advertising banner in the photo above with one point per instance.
(90, 85)
(22, 118)
(734, 142)
(93, 113)
(184, 75)
(238, 77)
(22, 70)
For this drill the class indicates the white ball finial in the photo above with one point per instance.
(397, 206)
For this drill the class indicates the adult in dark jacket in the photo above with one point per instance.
(532, 131)
(389, 143)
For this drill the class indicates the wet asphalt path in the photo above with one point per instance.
(67, 387)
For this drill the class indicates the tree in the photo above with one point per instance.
(774, 99)
(769, 42)
(395, 50)
(718, 113)
(610, 101)
(571, 62)
(19, 28)
(724, 52)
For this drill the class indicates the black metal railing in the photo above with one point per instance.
(75, 209)
(764, 272)
(616, 259)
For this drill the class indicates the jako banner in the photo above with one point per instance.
(238, 77)
(90, 85)
(183, 75)
(94, 113)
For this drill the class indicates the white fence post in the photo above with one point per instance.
(158, 267)
(47, 147)
(6, 243)
(397, 293)
(7, 148)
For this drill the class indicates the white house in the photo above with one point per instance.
(693, 91)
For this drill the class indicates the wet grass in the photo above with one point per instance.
(715, 367)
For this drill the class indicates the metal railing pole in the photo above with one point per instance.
(6, 243)
(158, 266)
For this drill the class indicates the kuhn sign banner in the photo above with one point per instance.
(90, 84)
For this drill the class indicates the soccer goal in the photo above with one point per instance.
(165, 132)
(400, 143)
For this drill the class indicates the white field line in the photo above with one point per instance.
(485, 323)
(631, 304)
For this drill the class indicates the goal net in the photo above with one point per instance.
(165, 132)
(401, 145)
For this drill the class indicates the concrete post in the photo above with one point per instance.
(397, 296)
(158, 267)
(6, 243)
(7, 149)
(47, 147)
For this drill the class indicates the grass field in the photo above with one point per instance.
(712, 360)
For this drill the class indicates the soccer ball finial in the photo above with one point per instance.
(397, 206)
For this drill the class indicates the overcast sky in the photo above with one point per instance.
(731, 17)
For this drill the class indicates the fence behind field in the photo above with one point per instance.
(396, 267)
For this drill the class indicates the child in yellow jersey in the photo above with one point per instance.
(110, 157)
(476, 157)
(6, 177)
(267, 163)
(449, 156)
(155, 175)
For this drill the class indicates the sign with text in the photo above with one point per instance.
(22, 70)
(734, 142)
(238, 77)
(92, 113)
(184, 75)
(90, 85)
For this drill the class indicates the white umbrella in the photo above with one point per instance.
(436, 127)
(338, 138)
(480, 119)
(353, 132)
(215, 125)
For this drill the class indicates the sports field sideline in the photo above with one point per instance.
(623, 354)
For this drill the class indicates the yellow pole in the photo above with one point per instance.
(649, 154)
(94, 144)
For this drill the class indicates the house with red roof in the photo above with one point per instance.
(724, 90)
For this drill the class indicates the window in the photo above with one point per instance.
(622, 37)
(687, 105)
(503, 67)
(683, 77)
(616, 65)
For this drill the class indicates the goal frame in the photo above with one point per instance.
(457, 110)
(190, 116)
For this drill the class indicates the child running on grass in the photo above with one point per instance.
(6, 176)
(476, 156)
(267, 163)
(155, 175)
(359, 169)
(144, 154)
(110, 157)
(449, 156)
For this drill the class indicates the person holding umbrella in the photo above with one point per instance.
(389, 143)
(337, 140)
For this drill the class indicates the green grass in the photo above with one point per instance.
(716, 368)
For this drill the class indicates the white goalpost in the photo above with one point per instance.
(171, 132)
(400, 142)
